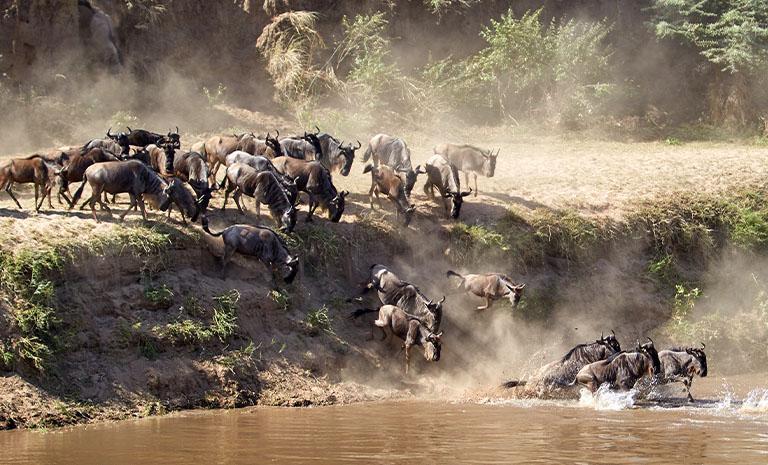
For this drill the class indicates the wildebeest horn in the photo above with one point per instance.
(108, 132)
(466, 193)
(177, 129)
(129, 129)
(441, 300)
(650, 339)
(613, 332)
(601, 335)
(343, 194)
(278, 134)
(358, 145)
(703, 346)
(267, 138)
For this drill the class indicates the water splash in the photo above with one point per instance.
(756, 401)
(606, 399)
(727, 401)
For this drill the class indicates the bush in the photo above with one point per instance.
(319, 320)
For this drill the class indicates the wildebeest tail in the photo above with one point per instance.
(79, 192)
(367, 168)
(360, 312)
(514, 383)
(205, 228)
(450, 273)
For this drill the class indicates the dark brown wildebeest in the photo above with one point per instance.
(408, 328)
(682, 364)
(489, 286)
(385, 181)
(142, 138)
(75, 168)
(257, 241)
(621, 371)
(394, 153)
(265, 188)
(31, 169)
(335, 155)
(132, 177)
(469, 159)
(562, 372)
(261, 163)
(393, 291)
(188, 204)
(443, 176)
(311, 177)
(192, 168)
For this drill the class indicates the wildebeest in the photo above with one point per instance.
(132, 177)
(443, 175)
(188, 204)
(489, 286)
(97, 33)
(469, 159)
(31, 169)
(257, 241)
(192, 168)
(314, 179)
(393, 291)
(142, 138)
(682, 364)
(261, 163)
(335, 155)
(408, 328)
(300, 147)
(385, 181)
(265, 188)
(217, 148)
(394, 153)
(75, 168)
(621, 371)
(107, 144)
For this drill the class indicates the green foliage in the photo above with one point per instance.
(224, 322)
(731, 33)
(662, 269)
(467, 242)
(319, 320)
(281, 297)
(319, 246)
(234, 358)
(195, 332)
(749, 229)
(159, 296)
(441, 6)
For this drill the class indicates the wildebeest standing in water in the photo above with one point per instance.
(621, 371)
(385, 181)
(469, 159)
(336, 155)
(408, 328)
(394, 153)
(443, 176)
(256, 241)
(314, 179)
(490, 286)
(682, 364)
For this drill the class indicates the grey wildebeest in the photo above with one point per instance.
(107, 144)
(409, 328)
(75, 168)
(187, 202)
(132, 177)
(32, 169)
(394, 153)
(306, 147)
(562, 372)
(314, 179)
(385, 181)
(261, 163)
(489, 286)
(265, 188)
(621, 371)
(256, 241)
(393, 291)
(469, 160)
(335, 155)
(192, 168)
(443, 175)
(97, 34)
(682, 364)
(217, 148)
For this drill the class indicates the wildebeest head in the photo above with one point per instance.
(121, 138)
(312, 138)
(336, 206)
(408, 215)
(274, 144)
(410, 178)
(293, 268)
(515, 293)
(700, 365)
(174, 138)
(170, 191)
(489, 164)
(348, 152)
(288, 220)
(202, 201)
(458, 200)
(649, 349)
(610, 342)
(433, 346)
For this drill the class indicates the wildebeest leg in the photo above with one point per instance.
(228, 252)
(10, 192)
(229, 190)
(140, 199)
(258, 208)
(133, 204)
(475, 176)
(447, 207)
(488, 303)
(687, 383)
(370, 194)
(407, 357)
(378, 199)
(37, 188)
(92, 202)
(466, 178)
(236, 197)
(312, 207)
(429, 190)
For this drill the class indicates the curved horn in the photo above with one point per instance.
(613, 332)
(278, 134)
(601, 335)
(129, 129)
(108, 132)
(650, 339)
(177, 129)
(703, 346)
(441, 300)
(358, 145)
(466, 193)
(318, 130)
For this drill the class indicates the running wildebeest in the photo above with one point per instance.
(682, 364)
(261, 163)
(314, 179)
(562, 372)
(75, 168)
(469, 159)
(394, 153)
(621, 371)
(393, 291)
(409, 328)
(443, 176)
(257, 241)
(385, 181)
(265, 188)
(32, 169)
(335, 155)
(489, 286)
(132, 177)
(217, 148)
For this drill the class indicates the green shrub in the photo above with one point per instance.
(159, 296)
(319, 320)
(224, 322)
(281, 297)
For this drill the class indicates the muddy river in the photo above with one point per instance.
(727, 427)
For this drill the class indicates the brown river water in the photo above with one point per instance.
(728, 426)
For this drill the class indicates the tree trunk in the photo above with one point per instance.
(728, 100)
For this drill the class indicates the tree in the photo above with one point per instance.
(732, 35)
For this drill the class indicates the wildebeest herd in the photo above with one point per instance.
(275, 171)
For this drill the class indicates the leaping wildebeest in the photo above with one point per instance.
(265, 188)
(489, 286)
(314, 179)
(256, 241)
(443, 175)
(394, 153)
(409, 328)
(132, 177)
(621, 371)
(385, 181)
(31, 169)
(682, 364)
(335, 155)
(469, 159)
